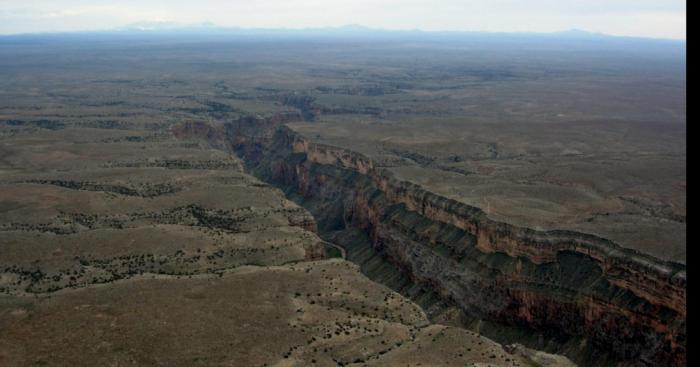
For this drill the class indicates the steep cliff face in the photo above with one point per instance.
(623, 304)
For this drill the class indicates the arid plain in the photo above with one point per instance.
(216, 200)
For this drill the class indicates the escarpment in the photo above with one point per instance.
(624, 306)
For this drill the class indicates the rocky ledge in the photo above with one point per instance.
(621, 305)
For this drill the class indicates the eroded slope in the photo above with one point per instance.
(608, 300)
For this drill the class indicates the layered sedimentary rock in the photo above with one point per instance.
(621, 303)
(172, 256)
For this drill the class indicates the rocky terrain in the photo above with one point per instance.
(621, 302)
(169, 254)
(214, 201)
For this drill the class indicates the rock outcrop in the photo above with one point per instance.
(622, 304)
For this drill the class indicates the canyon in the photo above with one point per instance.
(342, 200)
(119, 248)
(567, 286)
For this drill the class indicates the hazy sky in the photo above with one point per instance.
(653, 18)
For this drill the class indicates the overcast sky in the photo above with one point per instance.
(652, 18)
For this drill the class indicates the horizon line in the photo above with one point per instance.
(165, 26)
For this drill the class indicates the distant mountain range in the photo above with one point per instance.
(350, 31)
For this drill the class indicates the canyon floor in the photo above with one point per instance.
(152, 211)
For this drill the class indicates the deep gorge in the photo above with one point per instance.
(574, 293)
